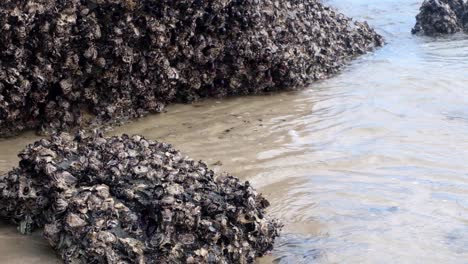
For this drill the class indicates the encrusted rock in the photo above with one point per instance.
(122, 59)
(131, 200)
(441, 17)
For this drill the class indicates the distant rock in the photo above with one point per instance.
(441, 17)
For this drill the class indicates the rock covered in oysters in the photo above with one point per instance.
(118, 59)
(131, 200)
(441, 17)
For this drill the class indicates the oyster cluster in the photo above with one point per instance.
(62, 61)
(131, 200)
(438, 17)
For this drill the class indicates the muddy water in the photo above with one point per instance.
(367, 167)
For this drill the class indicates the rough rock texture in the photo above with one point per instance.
(118, 59)
(441, 17)
(131, 200)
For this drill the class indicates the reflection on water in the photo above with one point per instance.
(367, 167)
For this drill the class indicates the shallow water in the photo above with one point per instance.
(367, 167)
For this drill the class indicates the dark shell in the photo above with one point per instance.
(438, 17)
(131, 200)
(63, 61)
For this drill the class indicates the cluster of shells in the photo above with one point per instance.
(64, 61)
(131, 200)
(438, 17)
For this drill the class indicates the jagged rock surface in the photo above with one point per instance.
(117, 59)
(438, 17)
(132, 200)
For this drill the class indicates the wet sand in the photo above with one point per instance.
(18, 249)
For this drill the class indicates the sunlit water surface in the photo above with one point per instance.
(367, 167)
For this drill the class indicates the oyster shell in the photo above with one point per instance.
(107, 209)
(438, 17)
(63, 60)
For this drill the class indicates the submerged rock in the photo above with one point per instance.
(131, 200)
(122, 59)
(441, 17)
